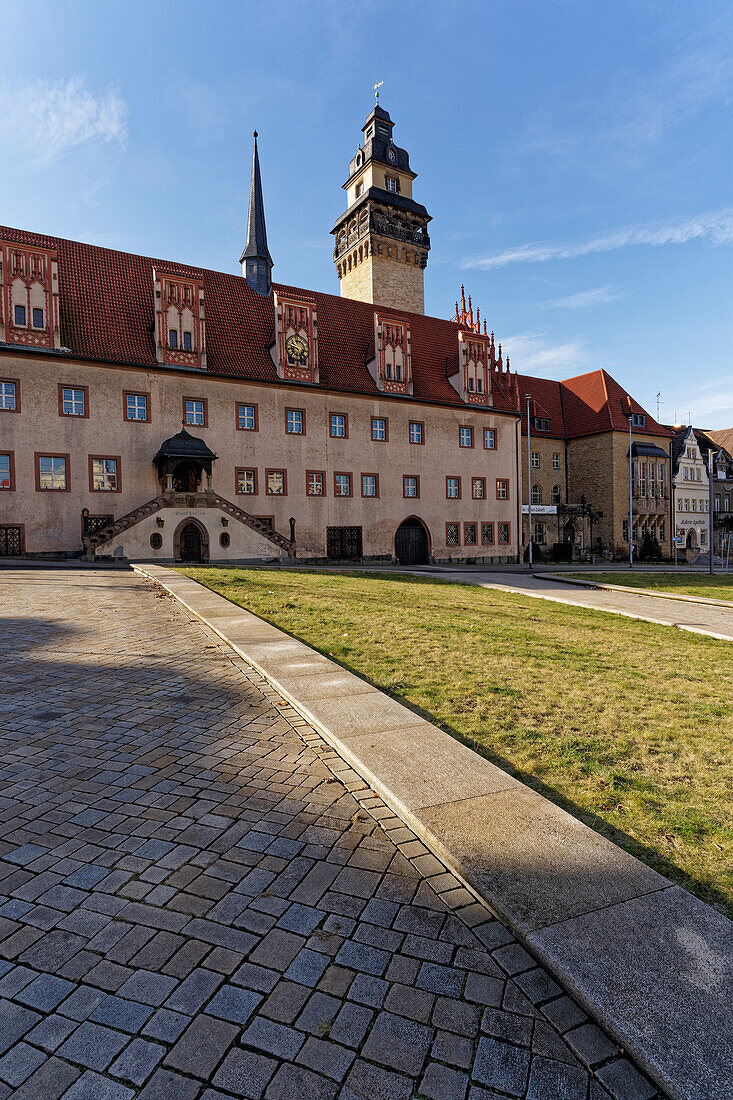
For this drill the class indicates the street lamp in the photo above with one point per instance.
(631, 502)
(529, 479)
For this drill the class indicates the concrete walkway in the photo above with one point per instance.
(717, 622)
(199, 900)
(646, 958)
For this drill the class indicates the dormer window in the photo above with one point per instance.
(638, 420)
(296, 340)
(29, 287)
(541, 423)
(391, 155)
(392, 342)
(180, 324)
(470, 379)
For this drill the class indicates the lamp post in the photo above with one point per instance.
(529, 480)
(631, 503)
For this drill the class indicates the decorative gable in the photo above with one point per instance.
(295, 352)
(180, 325)
(29, 296)
(474, 357)
(393, 347)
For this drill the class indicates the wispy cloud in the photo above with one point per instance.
(632, 116)
(535, 353)
(46, 119)
(709, 406)
(716, 226)
(584, 299)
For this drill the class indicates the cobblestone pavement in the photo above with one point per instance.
(199, 900)
(688, 616)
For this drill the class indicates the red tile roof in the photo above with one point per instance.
(587, 404)
(107, 315)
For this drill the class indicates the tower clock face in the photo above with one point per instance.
(297, 349)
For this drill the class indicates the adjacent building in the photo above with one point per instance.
(693, 452)
(154, 410)
(576, 468)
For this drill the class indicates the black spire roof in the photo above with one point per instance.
(256, 259)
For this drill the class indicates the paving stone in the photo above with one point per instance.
(93, 1046)
(14, 1022)
(45, 992)
(590, 1044)
(272, 1038)
(19, 1063)
(137, 1061)
(326, 1057)
(91, 1086)
(350, 1025)
(552, 1079)
(51, 1032)
(117, 1012)
(233, 1003)
(564, 1013)
(49, 1082)
(501, 1066)
(80, 1004)
(167, 1085)
(277, 950)
(398, 1043)
(450, 1048)
(293, 1081)
(147, 987)
(202, 1046)
(366, 1080)
(624, 1082)
(405, 1000)
(194, 991)
(318, 1013)
(368, 991)
(442, 1083)
(166, 1025)
(245, 1073)
(505, 1025)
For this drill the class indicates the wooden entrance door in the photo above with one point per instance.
(411, 543)
(191, 543)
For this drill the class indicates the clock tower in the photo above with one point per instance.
(381, 240)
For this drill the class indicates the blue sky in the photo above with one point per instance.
(575, 157)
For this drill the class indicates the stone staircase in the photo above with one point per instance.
(172, 499)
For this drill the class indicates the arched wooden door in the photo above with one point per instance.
(411, 543)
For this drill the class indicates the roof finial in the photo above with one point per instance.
(485, 332)
(470, 312)
(377, 86)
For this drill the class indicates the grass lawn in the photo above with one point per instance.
(626, 724)
(691, 584)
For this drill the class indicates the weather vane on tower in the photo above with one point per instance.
(377, 86)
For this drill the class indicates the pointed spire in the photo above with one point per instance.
(256, 260)
(485, 332)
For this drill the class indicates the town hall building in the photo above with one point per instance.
(150, 410)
